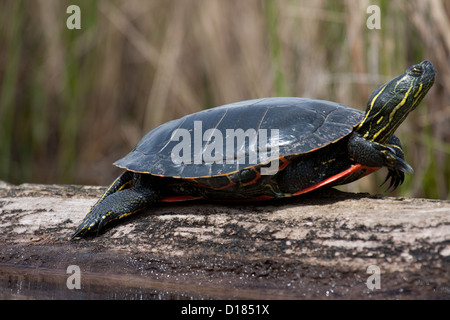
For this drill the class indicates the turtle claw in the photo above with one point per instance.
(83, 229)
(397, 167)
(397, 174)
(78, 233)
(396, 177)
(403, 166)
(92, 223)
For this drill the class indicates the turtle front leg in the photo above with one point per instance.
(396, 174)
(127, 195)
(374, 154)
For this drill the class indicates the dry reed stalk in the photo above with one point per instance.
(78, 100)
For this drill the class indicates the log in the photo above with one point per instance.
(324, 245)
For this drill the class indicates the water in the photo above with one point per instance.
(20, 282)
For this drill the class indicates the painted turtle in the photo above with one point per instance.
(264, 149)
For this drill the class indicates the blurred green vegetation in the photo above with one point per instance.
(74, 101)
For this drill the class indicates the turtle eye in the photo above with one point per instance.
(416, 70)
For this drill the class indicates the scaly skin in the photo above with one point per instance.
(371, 145)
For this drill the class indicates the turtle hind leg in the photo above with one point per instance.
(124, 181)
(126, 198)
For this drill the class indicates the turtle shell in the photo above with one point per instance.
(290, 125)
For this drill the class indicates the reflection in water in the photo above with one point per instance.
(39, 283)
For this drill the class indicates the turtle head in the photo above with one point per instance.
(393, 101)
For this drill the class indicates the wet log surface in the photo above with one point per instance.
(316, 246)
